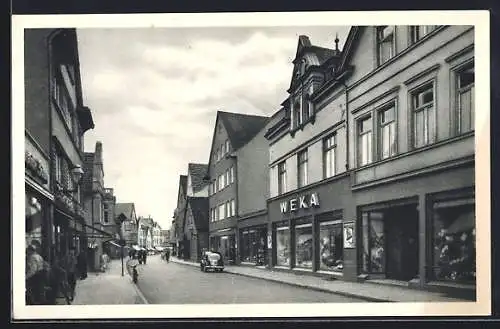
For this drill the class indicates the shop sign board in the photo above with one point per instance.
(349, 235)
(305, 201)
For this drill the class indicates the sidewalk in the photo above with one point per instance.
(108, 287)
(367, 291)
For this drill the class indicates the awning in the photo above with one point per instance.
(114, 243)
(159, 248)
(135, 247)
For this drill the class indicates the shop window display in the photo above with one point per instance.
(303, 246)
(253, 245)
(283, 246)
(373, 239)
(331, 246)
(454, 243)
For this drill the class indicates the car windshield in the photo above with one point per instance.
(213, 256)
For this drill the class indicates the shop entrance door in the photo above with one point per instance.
(402, 242)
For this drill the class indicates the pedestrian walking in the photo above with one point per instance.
(144, 256)
(36, 274)
(167, 255)
(71, 268)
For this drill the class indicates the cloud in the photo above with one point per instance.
(154, 94)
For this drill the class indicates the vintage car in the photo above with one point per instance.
(211, 261)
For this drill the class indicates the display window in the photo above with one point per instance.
(331, 246)
(454, 241)
(373, 256)
(283, 246)
(252, 242)
(304, 246)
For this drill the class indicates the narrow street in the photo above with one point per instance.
(171, 283)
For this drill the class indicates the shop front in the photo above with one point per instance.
(253, 248)
(38, 219)
(307, 228)
(224, 241)
(419, 231)
(253, 237)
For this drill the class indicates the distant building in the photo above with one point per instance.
(130, 222)
(179, 215)
(231, 132)
(99, 204)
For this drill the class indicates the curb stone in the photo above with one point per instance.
(341, 293)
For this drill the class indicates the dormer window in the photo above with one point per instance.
(305, 108)
(296, 114)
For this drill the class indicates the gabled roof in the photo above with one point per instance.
(197, 171)
(241, 128)
(124, 208)
(199, 209)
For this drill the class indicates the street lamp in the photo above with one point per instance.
(122, 218)
(76, 177)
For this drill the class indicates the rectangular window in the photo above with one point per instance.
(58, 165)
(454, 256)
(417, 32)
(465, 99)
(222, 211)
(329, 155)
(385, 43)
(331, 246)
(302, 168)
(283, 246)
(305, 108)
(365, 141)
(423, 115)
(229, 212)
(227, 146)
(373, 233)
(221, 182)
(387, 132)
(223, 150)
(228, 178)
(297, 114)
(233, 208)
(303, 246)
(231, 174)
(106, 220)
(282, 178)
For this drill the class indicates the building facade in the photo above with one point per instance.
(179, 215)
(126, 216)
(110, 225)
(99, 205)
(252, 186)
(55, 123)
(231, 132)
(196, 227)
(375, 179)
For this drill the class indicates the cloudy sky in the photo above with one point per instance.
(154, 93)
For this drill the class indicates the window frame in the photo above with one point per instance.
(359, 120)
(432, 139)
(392, 104)
(379, 43)
(282, 178)
(416, 28)
(231, 174)
(457, 70)
(301, 164)
(326, 149)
